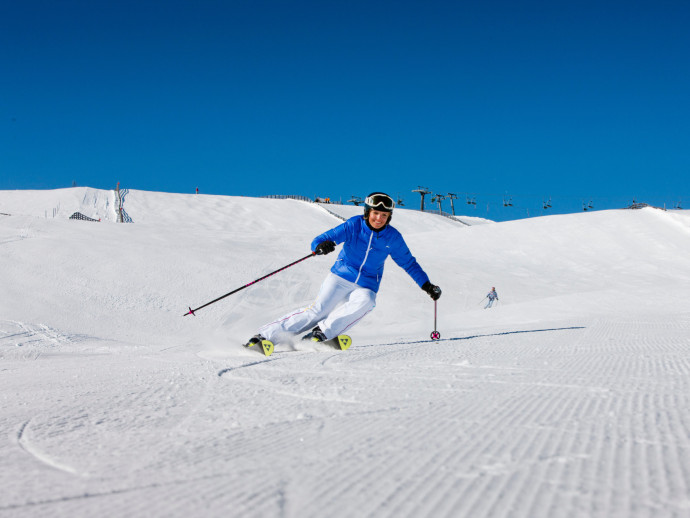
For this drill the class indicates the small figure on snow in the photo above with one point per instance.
(492, 295)
(349, 292)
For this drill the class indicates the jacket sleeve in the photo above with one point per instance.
(403, 257)
(337, 234)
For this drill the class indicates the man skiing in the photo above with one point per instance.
(492, 295)
(355, 276)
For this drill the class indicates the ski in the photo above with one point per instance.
(342, 342)
(266, 346)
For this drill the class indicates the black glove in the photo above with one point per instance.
(433, 291)
(325, 247)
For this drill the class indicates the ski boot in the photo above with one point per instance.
(316, 335)
(266, 345)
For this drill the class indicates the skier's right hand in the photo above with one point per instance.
(325, 247)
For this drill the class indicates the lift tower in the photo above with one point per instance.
(423, 191)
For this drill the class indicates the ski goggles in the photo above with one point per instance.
(380, 202)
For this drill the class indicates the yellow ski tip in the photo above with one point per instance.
(344, 342)
(267, 346)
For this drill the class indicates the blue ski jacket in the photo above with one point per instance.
(365, 251)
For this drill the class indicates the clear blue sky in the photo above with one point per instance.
(528, 100)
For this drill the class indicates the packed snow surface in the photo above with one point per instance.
(569, 398)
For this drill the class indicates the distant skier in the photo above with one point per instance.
(349, 292)
(492, 295)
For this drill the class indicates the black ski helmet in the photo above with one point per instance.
(379, 201)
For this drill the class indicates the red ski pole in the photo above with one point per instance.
(435, 335)
(192, 311)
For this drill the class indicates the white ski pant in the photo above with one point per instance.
(339, 305)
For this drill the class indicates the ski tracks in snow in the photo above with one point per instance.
(25, 444)
(37, 337)
(560, 421)
(564, 421)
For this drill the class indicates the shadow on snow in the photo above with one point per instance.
(479, 336)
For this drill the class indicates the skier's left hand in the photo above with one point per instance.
(433, 290)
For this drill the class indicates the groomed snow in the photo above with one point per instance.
(570, 398)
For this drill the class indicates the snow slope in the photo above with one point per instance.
(569, 398)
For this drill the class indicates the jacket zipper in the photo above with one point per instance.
(359, 273)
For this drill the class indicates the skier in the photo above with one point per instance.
(355, 276)
(492, 295)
